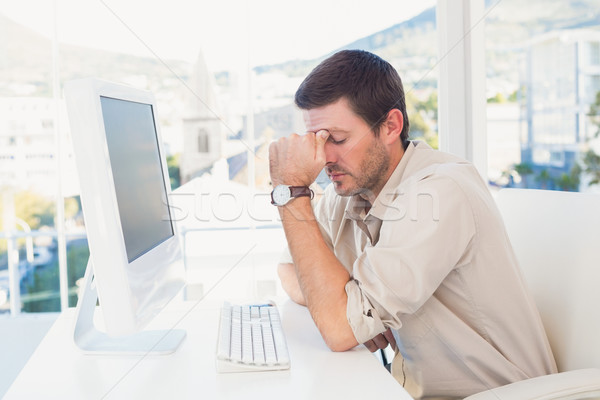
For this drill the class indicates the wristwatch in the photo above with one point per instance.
(282, 194)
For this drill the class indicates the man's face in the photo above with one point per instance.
(357, 162)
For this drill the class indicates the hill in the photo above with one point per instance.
(407, 45)
(411, 45)
(26, 64)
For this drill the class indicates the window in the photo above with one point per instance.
(203, 141)
(47, 124)
(591, 87)
(541, 85)
(594, 53)
(223, 94)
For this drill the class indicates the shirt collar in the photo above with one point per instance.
(355, 208)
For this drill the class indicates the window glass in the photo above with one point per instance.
(4, 284)
(40, 288)
(77, 260)
(224, 83)
(542, 89)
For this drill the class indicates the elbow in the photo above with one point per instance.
(335, 329)
(340, 344)
(339, 347)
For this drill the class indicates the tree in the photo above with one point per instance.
(591, 160)
(429, 106)
(422, 114)
(41, 293)
(523, 170)
(72, 206)
(595, 111)
(543, 178)
(33, 208)
(514, 96)
(77, 259)
(569, 182)
(498, 98)
(591, 166)
(174, 172)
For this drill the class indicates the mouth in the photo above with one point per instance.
(335, 175)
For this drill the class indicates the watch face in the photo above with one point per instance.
(281, 194)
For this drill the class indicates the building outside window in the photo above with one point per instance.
(218, 110)
(542, 84)
(223, 94)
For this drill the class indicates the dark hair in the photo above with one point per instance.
(370, 84)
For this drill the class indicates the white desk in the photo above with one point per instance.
(58, 371)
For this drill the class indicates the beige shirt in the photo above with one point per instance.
(431, 260)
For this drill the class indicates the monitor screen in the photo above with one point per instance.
(137, 174)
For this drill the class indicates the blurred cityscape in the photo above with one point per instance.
(543, 80)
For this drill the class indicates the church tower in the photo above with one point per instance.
(202, 124)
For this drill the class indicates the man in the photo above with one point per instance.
(406, 245)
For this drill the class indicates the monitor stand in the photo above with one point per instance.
(92, 341)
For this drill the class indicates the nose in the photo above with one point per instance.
(331, 156)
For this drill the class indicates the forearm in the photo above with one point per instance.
(297, 160)
(289, 281)
(321, 277)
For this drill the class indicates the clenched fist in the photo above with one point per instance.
(297, 160)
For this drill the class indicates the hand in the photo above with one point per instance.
(297, 160)
(381, 341)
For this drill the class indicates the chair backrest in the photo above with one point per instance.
(556, 237)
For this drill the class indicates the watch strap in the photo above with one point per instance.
(300, 191)
(292, 191)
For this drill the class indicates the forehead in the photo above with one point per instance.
(333, 116)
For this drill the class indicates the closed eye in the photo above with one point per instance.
(332, 140)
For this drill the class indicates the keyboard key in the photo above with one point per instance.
(257, 343)
(251, 339)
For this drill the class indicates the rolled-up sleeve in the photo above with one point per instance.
(362, 316)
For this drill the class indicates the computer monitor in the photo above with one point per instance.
(135, 266)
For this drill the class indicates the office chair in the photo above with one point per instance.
(556, 238)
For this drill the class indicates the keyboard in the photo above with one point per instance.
(251, 339)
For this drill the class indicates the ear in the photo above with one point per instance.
(392, 127)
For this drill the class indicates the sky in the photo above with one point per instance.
(228, 32)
